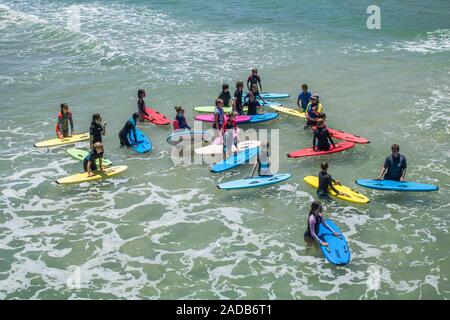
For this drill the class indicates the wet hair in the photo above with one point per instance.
(96, 116)
(322, 116)
(64, 106)
(217, 101)
(135, 115)
(304, 86)
(141, 93)
(324, 166)
(314, 206)
(225, 86)
(179, 108)
(395, 147)
(239, 84)
(254, 69)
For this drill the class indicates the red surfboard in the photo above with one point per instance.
(156, 117)
(210, 118)
(307, 152)
(341, 135)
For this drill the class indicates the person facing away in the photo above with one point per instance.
(182, 123)
(312, 110)
(252, 104)
(89, 161)
(326, 182)
(394, 167)
(97, 129)
(262, 161)
(303, 98)
(225, 95)
(64, 121)
(254, 78)
(322, 137)
(315, 219)
(128, 129)
(141, 105)
(229, 135)
(237, 99)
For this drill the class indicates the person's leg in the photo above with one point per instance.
(85, 162)
(65, 133)
(93, 166)
(308, 239)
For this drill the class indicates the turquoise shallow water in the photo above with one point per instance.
(164, 231)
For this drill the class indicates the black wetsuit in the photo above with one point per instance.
(252, 107)
(238, 99)
(91, 156)
(226, 97)
(130, 125)
(96, 131)
(325, 183)
(395, 167)
(322, 136)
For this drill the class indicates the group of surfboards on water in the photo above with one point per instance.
(227, 113)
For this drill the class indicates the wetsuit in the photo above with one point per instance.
(130, 126)
(141, 109)
(325, 183)
(221, 120)
(238, 101)
(91, 156)
(252, 106)
(395, 167)
(226, 97)
(96, 131)
(312, 114)
(322, 136)
(304, 97)
(62, 127)
(182, 124)
(313, 223)
(253, 80)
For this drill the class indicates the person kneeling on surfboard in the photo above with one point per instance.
(312, 111)
(326, 182)
(252, 103)
(229, 137)
(315, 218)
(262, 162)
(89, 162)
(64, 120)
(130, 126)
(394, 167)
(182, 123)
(141, 105)
(322, 136)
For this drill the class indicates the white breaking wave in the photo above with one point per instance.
(434, 42)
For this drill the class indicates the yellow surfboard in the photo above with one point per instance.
(60, 142)
(98, 175)
(290, 111)
(353, 195)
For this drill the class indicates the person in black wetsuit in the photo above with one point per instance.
(237, 100)
(252, 103)
(130, 126)
(326, 182)
(89, 162)
(97, 129)
(322, 136)
(394, 167)
(315, 219)
(141, 105)
(254, 78)
(225, 95)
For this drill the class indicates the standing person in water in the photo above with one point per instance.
(322, 137)
(64, 121)
(315, 219)
(303, 98)
(219, 116)
(394, 167)
(89, 162)
(254, 78)
(229, 135)
(182, 123)
(312, 110)
(237, 99)
(252, 104)
(225, 95)
(262, 161)
(97, 129)
(128, 129)
(141, 105)
(326, 182)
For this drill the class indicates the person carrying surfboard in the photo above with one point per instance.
(322, 137)
(89, 162)
(64, 121)
(97, 129)
(312, 110)
(326, 182)
(315, 218)
(394, 167)
(262, 161)
(303, 98)
(141, 105)
(182, 123)
(128, 128)
(229, 136)
(252, 104)
(237, 99)
(225, 95)
(254, 79)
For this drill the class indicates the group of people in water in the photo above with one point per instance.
(225, 127)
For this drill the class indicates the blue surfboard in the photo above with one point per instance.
(264, 102)
(235, 160)
(263, 117)
(390, 185)
(143, 142)
(272, 95)
(337, 252)
(257, 182)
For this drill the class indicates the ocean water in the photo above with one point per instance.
(164, 231)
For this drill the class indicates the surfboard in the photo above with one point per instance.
(98, 175)
(79, 154)
(64, 141)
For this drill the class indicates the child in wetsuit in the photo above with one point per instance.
(326, 182)
(254, 79)
(225, 95)
(141, 105)
(252, 103)
(97, 129)
(237, 100)
(229, 135)
(313, 109)
(89, 162)
(182, 123)
(128, 128)
(315, 219)
(322, 136)
(64, 121)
